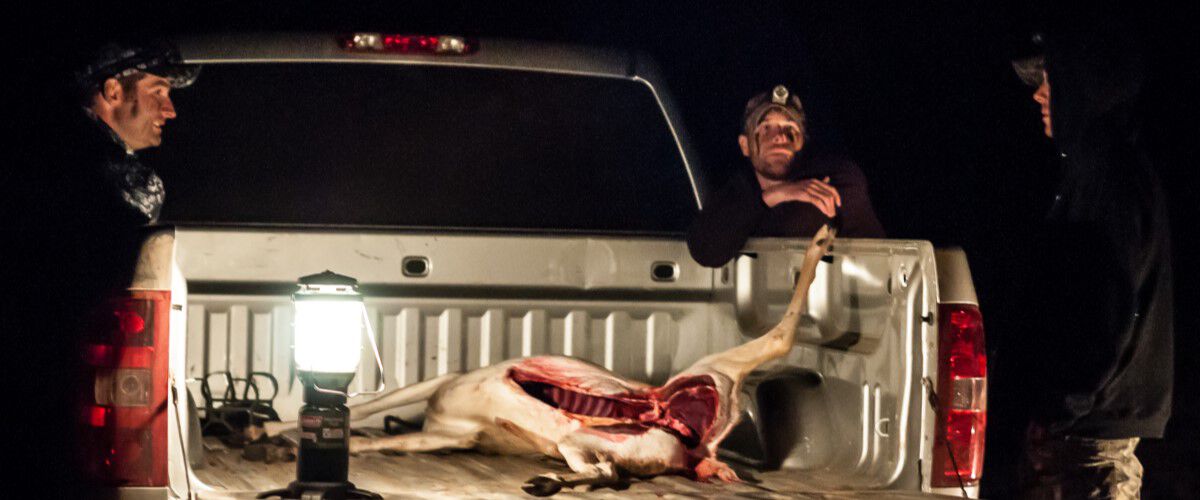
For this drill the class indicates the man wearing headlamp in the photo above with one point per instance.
(786, 194)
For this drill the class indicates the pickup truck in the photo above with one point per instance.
(499, 199)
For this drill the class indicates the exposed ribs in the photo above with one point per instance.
(686, 409)
(585, 404)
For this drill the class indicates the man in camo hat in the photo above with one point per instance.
(125, 93)
(92, 198)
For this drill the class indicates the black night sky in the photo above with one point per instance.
(919, 92)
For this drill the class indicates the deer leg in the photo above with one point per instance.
(585, 471)
(415, 442)
(738, 362)
(395, 398)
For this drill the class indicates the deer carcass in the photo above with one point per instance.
(599, 423)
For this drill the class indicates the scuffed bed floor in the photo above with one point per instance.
(471, 474)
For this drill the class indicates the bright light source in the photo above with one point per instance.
(328, 335)
(329, 322)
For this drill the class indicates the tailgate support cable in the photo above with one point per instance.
(187, 467)
(933, 401)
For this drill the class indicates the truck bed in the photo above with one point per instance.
(844, 411)
(470, 474)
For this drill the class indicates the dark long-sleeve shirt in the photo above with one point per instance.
(737, 212)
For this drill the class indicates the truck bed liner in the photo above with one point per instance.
(470, 474)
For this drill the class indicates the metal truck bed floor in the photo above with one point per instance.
(471, 474)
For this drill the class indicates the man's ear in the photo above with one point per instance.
(111, 92)
(744, 143)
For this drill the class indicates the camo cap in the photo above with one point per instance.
(116, 60)
(779, 99)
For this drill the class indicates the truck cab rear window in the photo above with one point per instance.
(418, 146)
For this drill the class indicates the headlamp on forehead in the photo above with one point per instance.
(779, 95)
(778, 99)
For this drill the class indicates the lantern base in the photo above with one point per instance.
(325, 491)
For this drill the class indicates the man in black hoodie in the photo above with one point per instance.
(1099, 345)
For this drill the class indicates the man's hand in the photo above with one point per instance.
(817, 192)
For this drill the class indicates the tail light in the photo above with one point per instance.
(962, 397)
(124, 410)
(408, 44)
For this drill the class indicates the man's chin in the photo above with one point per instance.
(773, 172)
(145, 145)
(780, 164)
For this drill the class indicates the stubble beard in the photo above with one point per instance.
(150, 137)
(138, 132)
(774, 170)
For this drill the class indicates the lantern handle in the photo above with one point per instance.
(374, 350)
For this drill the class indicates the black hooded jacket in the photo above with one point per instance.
(103, 197)
(84, 201)
(1101, 328)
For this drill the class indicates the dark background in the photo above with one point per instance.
(919, 92)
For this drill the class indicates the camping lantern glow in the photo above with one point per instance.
(329, 323)
(328, 327)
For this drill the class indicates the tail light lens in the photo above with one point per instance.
(962, 397)
(124, 411)
(409, 44)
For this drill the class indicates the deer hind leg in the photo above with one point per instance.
(272, 429)
(415, 442)
(587, 469)
(395, 398)
(586, 464)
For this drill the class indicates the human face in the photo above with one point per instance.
(1042, 96)
(777, 140)
(139, 116)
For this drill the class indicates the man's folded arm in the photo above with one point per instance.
(727, 221)
(857, 213)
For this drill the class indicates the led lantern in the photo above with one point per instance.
(328, 326)
(329, 323)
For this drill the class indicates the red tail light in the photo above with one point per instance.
(124, 411)
(409, 44)
(962, 397)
